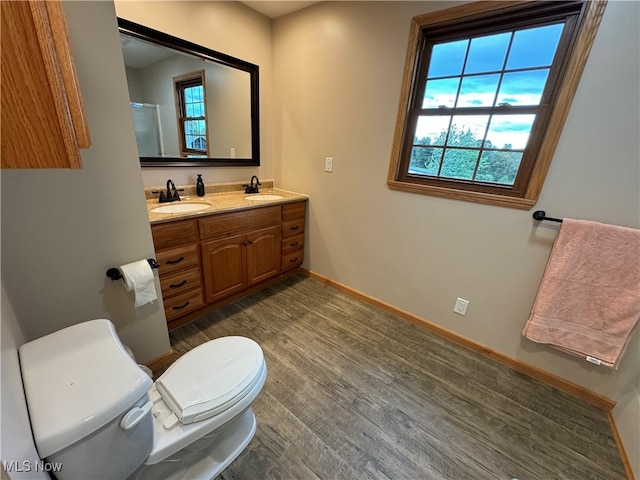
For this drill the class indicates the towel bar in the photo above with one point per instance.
(114, 274)
(541, 215)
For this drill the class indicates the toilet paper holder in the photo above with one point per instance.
(114, 274)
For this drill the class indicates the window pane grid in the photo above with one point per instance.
(459, 153)
(191, 109)
(538, 49)
(441, 79)
(479, 104)
(481, 166)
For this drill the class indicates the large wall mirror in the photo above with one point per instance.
(191, 106)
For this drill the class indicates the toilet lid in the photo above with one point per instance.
(210, 378)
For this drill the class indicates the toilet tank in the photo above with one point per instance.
(79, 384)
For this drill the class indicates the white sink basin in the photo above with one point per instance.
(260, 196)
(181, 207)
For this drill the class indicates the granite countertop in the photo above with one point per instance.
(223, 198)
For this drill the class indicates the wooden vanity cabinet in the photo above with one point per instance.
(214, 259)
(239, 249)
(43, 121)
(178, 253)
(293, 221)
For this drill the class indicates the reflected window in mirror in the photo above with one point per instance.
(191, 110)
(192, 106)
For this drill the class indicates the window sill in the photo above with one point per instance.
(478, 197)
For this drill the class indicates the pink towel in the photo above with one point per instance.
(588, 303)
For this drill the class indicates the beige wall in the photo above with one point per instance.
(337, 73)
(338, 68)
(62, 229)
(16, 442)
(228, 27)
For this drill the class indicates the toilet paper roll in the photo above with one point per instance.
(138, 277)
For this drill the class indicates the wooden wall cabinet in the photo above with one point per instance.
(207, 261)
(43, 123)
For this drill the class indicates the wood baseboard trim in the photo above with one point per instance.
(576, 390)
(162, 361)
(623, 454)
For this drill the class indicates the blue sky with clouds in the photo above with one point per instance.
(480, 84)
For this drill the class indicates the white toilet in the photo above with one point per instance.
(98, 415)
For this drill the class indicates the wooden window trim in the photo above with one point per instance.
(179, 83)
(586, 31)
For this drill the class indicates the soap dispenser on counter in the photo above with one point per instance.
(200, 186)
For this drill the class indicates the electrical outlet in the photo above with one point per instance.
(461, 306)
(328, 164)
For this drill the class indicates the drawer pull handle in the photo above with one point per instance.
(181, 306)
(171, 262)
(295, 227)
(293, 260)
(176, 285)
(293, 244)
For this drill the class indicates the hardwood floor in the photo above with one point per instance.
(355, 393)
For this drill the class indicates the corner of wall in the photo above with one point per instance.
(626, 417)
(16, 443)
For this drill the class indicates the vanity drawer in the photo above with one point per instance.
(293, 210)
(292, 227)
(167, 235)
(292, 260)
(180, 282)
(177, 259)
(222, 224)
(183, 303)
(292, 244)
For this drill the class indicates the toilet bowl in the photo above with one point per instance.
(95, 413)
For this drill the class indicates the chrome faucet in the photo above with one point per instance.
(252, 187)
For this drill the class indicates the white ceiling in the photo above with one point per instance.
(139, 54)
(274, 9)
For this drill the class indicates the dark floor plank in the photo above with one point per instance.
(355, 393)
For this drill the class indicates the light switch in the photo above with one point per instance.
(328, 164)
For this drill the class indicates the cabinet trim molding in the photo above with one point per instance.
(43, 119)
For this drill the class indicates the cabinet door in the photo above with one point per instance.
(263, 254)
(223, 267)
(43, 120)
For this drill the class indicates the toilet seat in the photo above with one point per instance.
(209, 379)
(207, 405)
